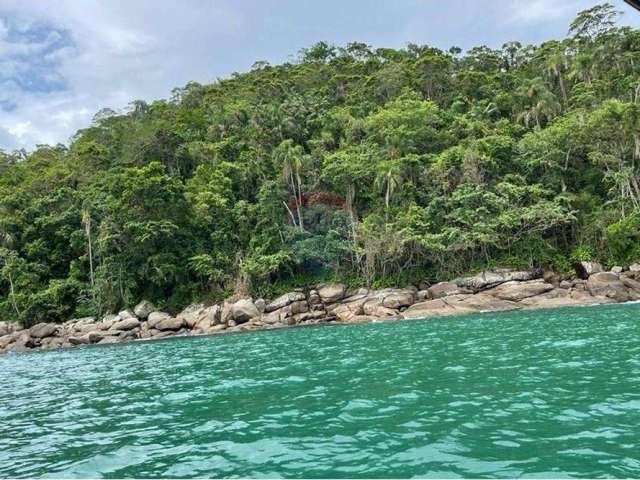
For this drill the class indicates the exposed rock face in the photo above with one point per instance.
(126, 324)
(284, 300)
(606, 284)
(244, 310)
(585, 269)
(7, 328)
(332, 293)
(126, 314)
(495, 291)
(443, 289)
(170, 324)
(157, 317)
(516, 291)
(485, 280)
(42, 330)
(144, 309)
(398, 300)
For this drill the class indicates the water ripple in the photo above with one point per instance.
(544, 394)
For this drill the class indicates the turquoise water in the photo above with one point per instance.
(546, 394)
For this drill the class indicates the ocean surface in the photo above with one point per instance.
(551, 393)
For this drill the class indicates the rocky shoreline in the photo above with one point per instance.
(499, 290)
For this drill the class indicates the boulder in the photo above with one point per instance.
(634, 267)
(43, 330)
(172, 324)
(631, 284)
(80, 340)
(156, 317)
(214, 329)
(516, 291)
(95, 337)
(8, 339)
(345, 312)
(192, 314)
(126, 314)
(617, 269)
(144, 309)
(374, 308)
(7, 327)
(332, 293)
(566, 284)
(606, 284)
(284, 300)
(422, 295)
(244, 310)
(363, 319)
(444, 289)
(480, 302)
(260, 304)
(399, 299)
(585, 269)
(485, 280)
(209, 317)
(52, 342)
(314, 297)
(126, 324)
(108, 340)
(430, 308)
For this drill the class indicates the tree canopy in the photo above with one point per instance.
(374, 166)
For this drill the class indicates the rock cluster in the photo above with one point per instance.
(489, 291)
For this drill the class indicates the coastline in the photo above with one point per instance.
(495, 291)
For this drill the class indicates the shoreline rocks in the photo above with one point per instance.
(500, 290)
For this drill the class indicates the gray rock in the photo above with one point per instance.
(126, 314)
(244, 310)
(374, 308)
(108, 340)
(7, 328)
(617, 269)
(485, 280)
(144, 309)
(283, 301)
(634, 267)
(81, 340)
(585, 269)
(43, 330)
(192, 315)
(566, 284)
(443, 289)
(606, 284)
(126, 324)
(95, 337)
(399, 299)
(172, 324)
(332, 293)
(260, 304)
(516, 291)
(156, 317)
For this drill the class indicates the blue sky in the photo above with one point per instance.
(62, 61)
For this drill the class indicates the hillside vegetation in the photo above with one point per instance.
(372, 166)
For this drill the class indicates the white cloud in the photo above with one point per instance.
(101, 54)
(537, 10)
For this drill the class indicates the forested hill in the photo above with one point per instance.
(372, 166)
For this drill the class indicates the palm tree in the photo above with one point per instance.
(290, 156)
(390, 179)
(538, 103)
(556, 67)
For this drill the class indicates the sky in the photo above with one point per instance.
(61, 61)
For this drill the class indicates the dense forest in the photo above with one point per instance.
(371, 166)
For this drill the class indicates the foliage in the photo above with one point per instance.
(369, 166)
